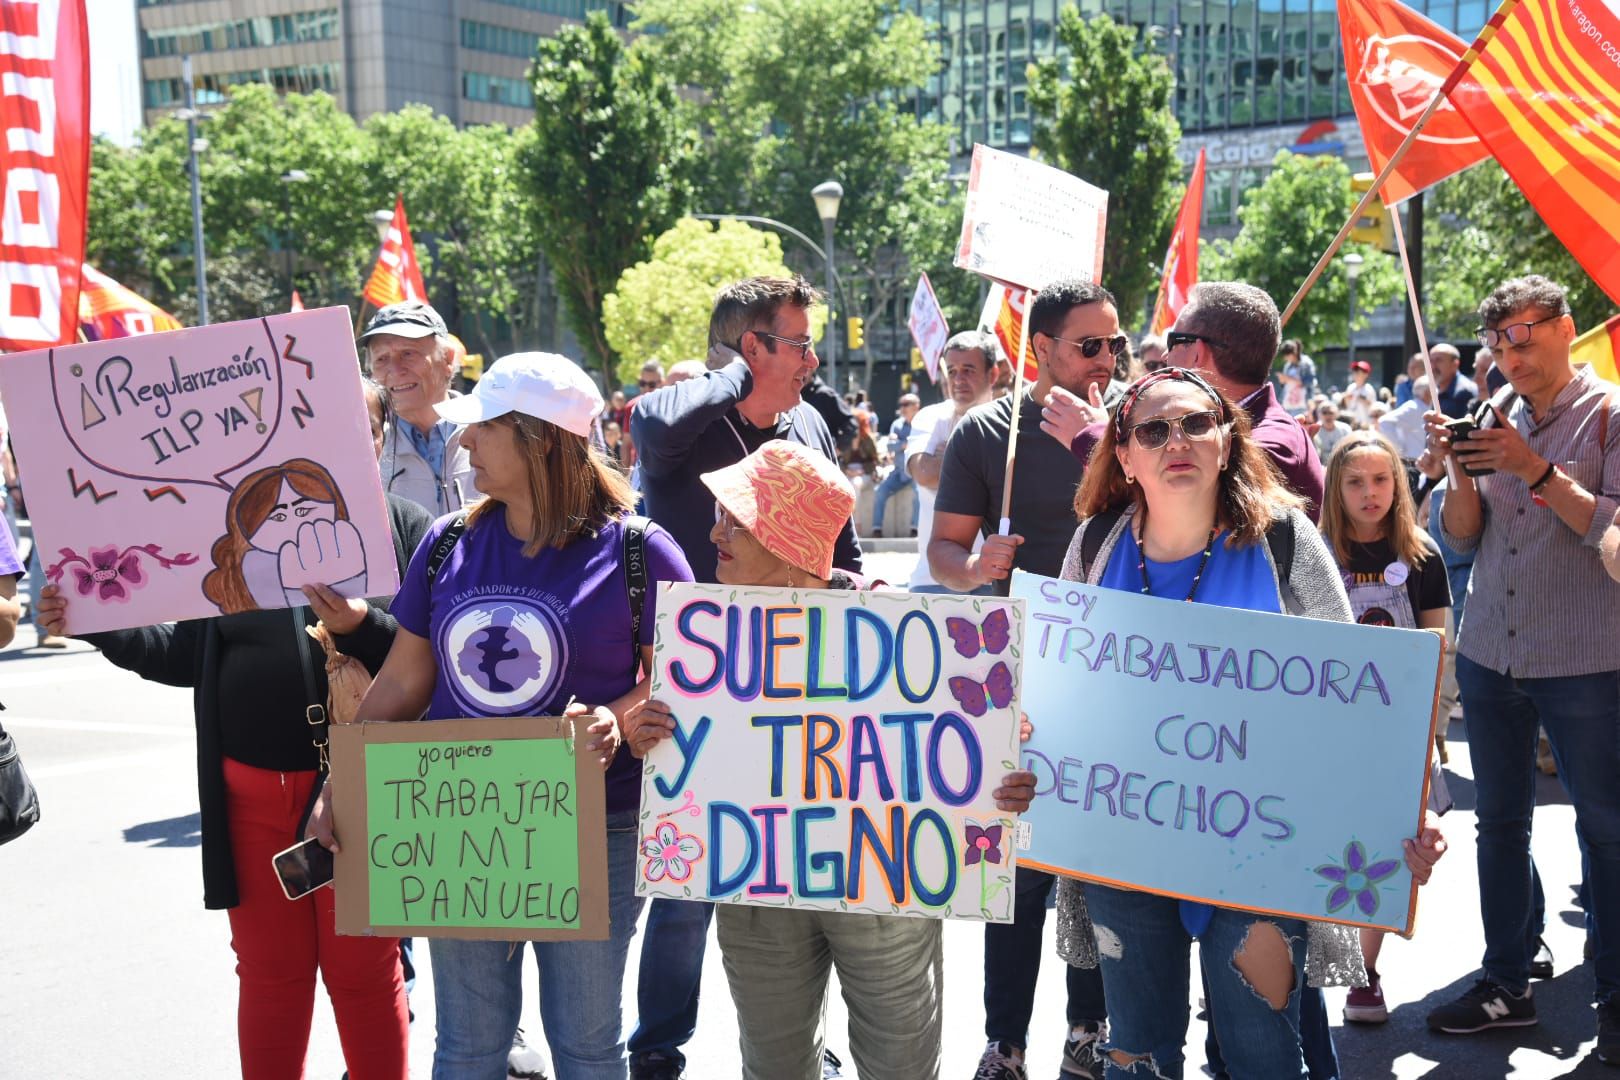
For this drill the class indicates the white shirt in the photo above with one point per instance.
(930, 429)
(1358, 402)
(1403, 426)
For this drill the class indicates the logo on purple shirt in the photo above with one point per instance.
(508, 655)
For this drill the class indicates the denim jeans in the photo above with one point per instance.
(1315, 1038)
(670, 976)
(478, 988)
(1581, 715)
(898, 480)
(1012, 966)
(1146, 961)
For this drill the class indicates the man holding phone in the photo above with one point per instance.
(1539, 487)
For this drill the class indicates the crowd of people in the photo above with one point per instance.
(1206, 466)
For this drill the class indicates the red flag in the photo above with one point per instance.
(109, 310)
(396, 277)
(1544, 97)
(297, 302)
(1181, 261)
(1004, 314)
(1396, 61)
(45, 162)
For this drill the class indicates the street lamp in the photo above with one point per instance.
(196, 144)
(288, 178)
(827, 196)
(382, 221)
(1352, 270)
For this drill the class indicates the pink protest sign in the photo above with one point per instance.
(200, 472)
(928, 327)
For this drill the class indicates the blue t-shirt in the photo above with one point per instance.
(519, 636)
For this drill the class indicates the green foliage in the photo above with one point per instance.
(1288, 221)
(1104, 115)
(606, 170)
(660, 308)
(1479, 231)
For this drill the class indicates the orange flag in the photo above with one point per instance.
(1396, 60)
(396, 277)
(109, 310)
(1181, 261)
(1544, 97)
(1003, 314)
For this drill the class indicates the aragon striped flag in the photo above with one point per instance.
(1003, 316)
(397, 277)
(1599, 347)
(1544, 97)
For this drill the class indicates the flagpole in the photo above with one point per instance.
(1390, 166)
(1017, 408)
(1422, 335)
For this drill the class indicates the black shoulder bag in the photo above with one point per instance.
(19, 801)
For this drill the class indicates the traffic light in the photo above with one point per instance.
(857, 333)
(1374, 225)
(917, 359)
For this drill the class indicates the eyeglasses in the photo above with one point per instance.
(804, 346)
(1152, 434)
(1177, 337)
(728, 524)
(1514, 334)
(1091, 346)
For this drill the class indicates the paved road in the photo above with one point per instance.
(109, 966)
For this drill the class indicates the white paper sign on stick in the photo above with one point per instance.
(928, 328)
(1029, 224)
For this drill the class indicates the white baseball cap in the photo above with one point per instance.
(545, 386)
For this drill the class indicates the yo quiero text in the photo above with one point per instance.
(833, 750)
(1222, 754)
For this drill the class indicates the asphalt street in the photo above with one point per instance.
(110, 966)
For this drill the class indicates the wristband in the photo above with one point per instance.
(1546, 478)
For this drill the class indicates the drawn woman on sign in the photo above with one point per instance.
(286, 526)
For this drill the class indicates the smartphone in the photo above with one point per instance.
(303, 868)
(1460, 429)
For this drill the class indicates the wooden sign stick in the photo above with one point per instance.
(1018, 408)
(1423, 337)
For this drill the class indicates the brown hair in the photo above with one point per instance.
(247, 511)
(574, 489)
(1400, 524)
(751, 304)
(1251, 491)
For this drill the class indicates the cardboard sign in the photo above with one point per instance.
(834, 750)
(486, 829)
(1253, 761)
(1028, 224)
(928, 329)
(201, 472)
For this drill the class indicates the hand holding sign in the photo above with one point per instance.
(322, 553)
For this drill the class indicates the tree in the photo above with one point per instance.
(660, 308)
(1481, 231)
(607, 169)
(1288, 221)
(1104, 115)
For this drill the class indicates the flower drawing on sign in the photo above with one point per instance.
(982, 843)
(111, 573)
(1356, 879)
(981, 847)
(670, 853)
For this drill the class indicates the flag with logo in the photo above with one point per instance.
(396, 277)
(1396, 61)
(1181, 261)
(108, 309)
(1544, 97)
(45, 160)
(1003, 316)
(1599, 347)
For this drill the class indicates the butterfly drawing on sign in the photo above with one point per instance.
(978, 698)
(991, 636)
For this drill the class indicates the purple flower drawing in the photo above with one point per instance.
(110, 573)
(982, 843)
(670, 853)
(1357, 879)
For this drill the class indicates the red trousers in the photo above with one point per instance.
(280, 943)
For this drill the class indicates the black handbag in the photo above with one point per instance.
(19, 801)
(315, 714)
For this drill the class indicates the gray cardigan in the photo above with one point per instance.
(1313, 589)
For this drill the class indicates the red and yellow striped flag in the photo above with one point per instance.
(1003, 316)
(1600, 347)
(1543, 95)
(397, 277)
(108, 309)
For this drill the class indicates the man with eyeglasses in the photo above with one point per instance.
(761, 357)
(1537, 642)
(1074, 329)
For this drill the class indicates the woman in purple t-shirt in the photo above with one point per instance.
(528, 615)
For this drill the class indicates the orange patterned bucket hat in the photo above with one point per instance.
(791, 498)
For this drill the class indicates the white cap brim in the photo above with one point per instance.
(470, 409)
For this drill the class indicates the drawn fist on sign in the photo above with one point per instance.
(322, 553)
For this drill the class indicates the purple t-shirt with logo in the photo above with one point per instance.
(519, 636)
(10, 564)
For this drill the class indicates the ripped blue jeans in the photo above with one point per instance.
(1146, 965)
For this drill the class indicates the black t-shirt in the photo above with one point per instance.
(1045, 477)
(1386, 591)
(261, 713)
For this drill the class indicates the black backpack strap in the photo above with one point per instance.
(635, 578)
(1091, 540)
(445, 544)
(1280, 538)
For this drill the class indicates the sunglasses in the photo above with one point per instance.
(1091, 346)
(1152, 434)
(804, 346)
(1177, 338)
(1514, 334)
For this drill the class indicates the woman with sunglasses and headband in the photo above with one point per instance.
(1188, 504)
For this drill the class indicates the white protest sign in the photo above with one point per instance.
(928, 329)
(1029, 224)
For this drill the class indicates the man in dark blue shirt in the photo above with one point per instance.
(1454, 391)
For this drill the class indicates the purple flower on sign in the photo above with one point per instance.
(670, 853)
(111, 574)
(1356, 880)
(983, 843)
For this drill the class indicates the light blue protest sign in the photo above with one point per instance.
(1255, 761)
